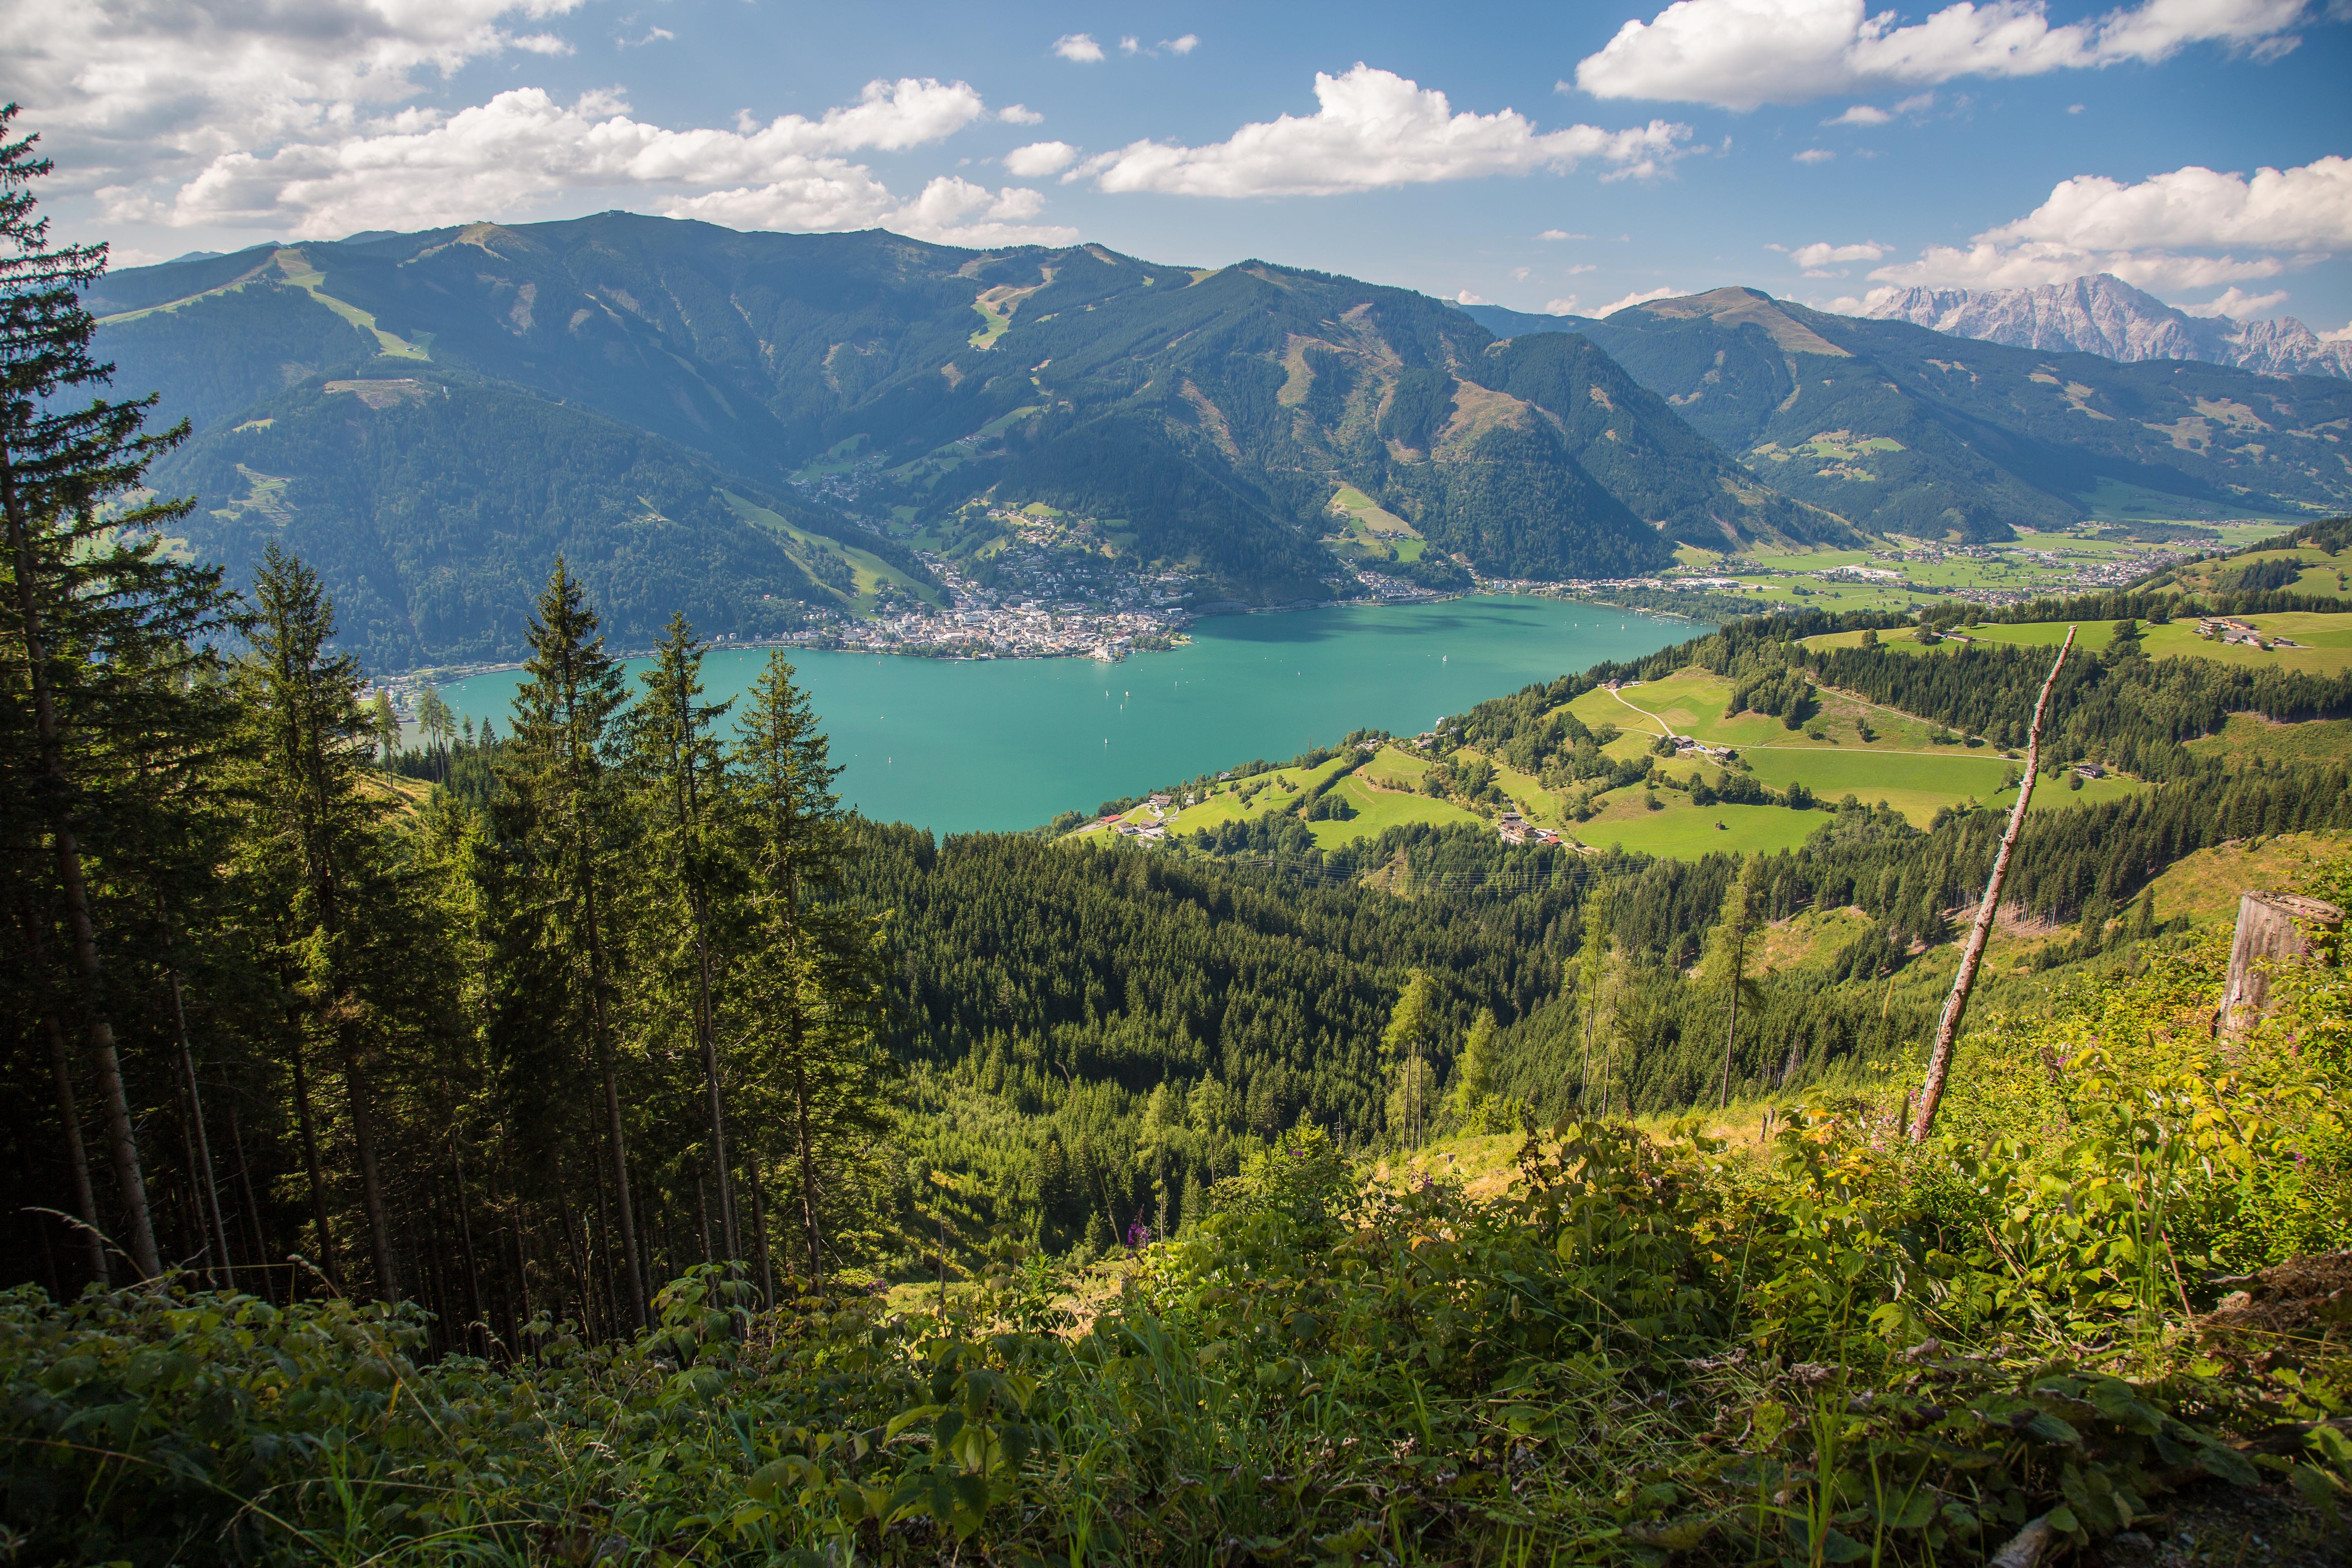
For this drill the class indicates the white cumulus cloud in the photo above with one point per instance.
(1078, 47)
(2160, 233)
(126, 91)
(1561, 234)
(1823, 254)
(2239, 306)
(1739, 54)
(301, 116)
(2308, 208)
(1020, 114)
(950, 210)
(420, 167)
(1813, 155)
(1642, 298)
(1039, 159)
(1183, 45)
(1374, 129)
(1860, 115)
(2030, 265)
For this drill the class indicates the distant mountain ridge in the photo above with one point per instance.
(750, 426)
(1903, 429)
(2103, 315)
(1213, 416)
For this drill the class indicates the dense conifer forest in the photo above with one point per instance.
(585, 1143)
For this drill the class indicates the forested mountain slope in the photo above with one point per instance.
(1214, 415)
(1211, 416)
(1899, 428)
(435, 503)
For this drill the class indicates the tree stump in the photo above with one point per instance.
(2267, 930)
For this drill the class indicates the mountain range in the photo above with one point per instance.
(2105, 315)
(758, 427)
(1899, 428)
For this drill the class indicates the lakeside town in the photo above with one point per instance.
(1051, 587)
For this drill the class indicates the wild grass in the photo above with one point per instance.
(1609, 1343)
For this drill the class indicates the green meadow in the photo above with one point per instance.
(2248, 737)
(2323, 642)
(869, 573)
(1378, 810)
(1681, 829)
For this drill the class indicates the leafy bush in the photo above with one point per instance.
(1843, 1347)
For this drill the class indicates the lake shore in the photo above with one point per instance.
(965, 745)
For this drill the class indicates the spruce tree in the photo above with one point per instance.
(386, 722)
(681, 802)
(1597, 967)
(1728, 956)
(314, 738)
(565, 834)
(103, 634)
(810, 971)
(1405, 1044)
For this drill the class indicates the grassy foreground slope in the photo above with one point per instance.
(1825, 1345)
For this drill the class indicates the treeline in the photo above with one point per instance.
(599, 1011)
(2125, 710)
(1126, 1026)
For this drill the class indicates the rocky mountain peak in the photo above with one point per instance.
(2103, 315)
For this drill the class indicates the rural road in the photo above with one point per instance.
(1763, 746)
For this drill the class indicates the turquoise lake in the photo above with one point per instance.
(993, 744)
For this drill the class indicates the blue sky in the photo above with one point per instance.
(1806, 147)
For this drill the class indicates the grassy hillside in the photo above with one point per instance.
(1598, 1337)
(433, 507)
(1905, 430)
(1214, 412)
(2290, 640)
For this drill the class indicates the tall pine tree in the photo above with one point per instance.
(687, 871)
(565, 830)
(810, 971)
(103, 634)
(314, 738)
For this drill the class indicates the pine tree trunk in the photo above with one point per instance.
(578, 1260)
(1585, 1073)
(2269, 932)
(310, 1165)
(760, 1232)
(192, 1210)
(77, 1157)
(604, 1249)
(614, 1132)
(706, 1024)
(261, 1260)
(203, 1150)
(1731, 1028)
(355, 1088)
(1948, 1027)
(807, 1155)
(121, 1139)
(523, 1277)
(474, 1313)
